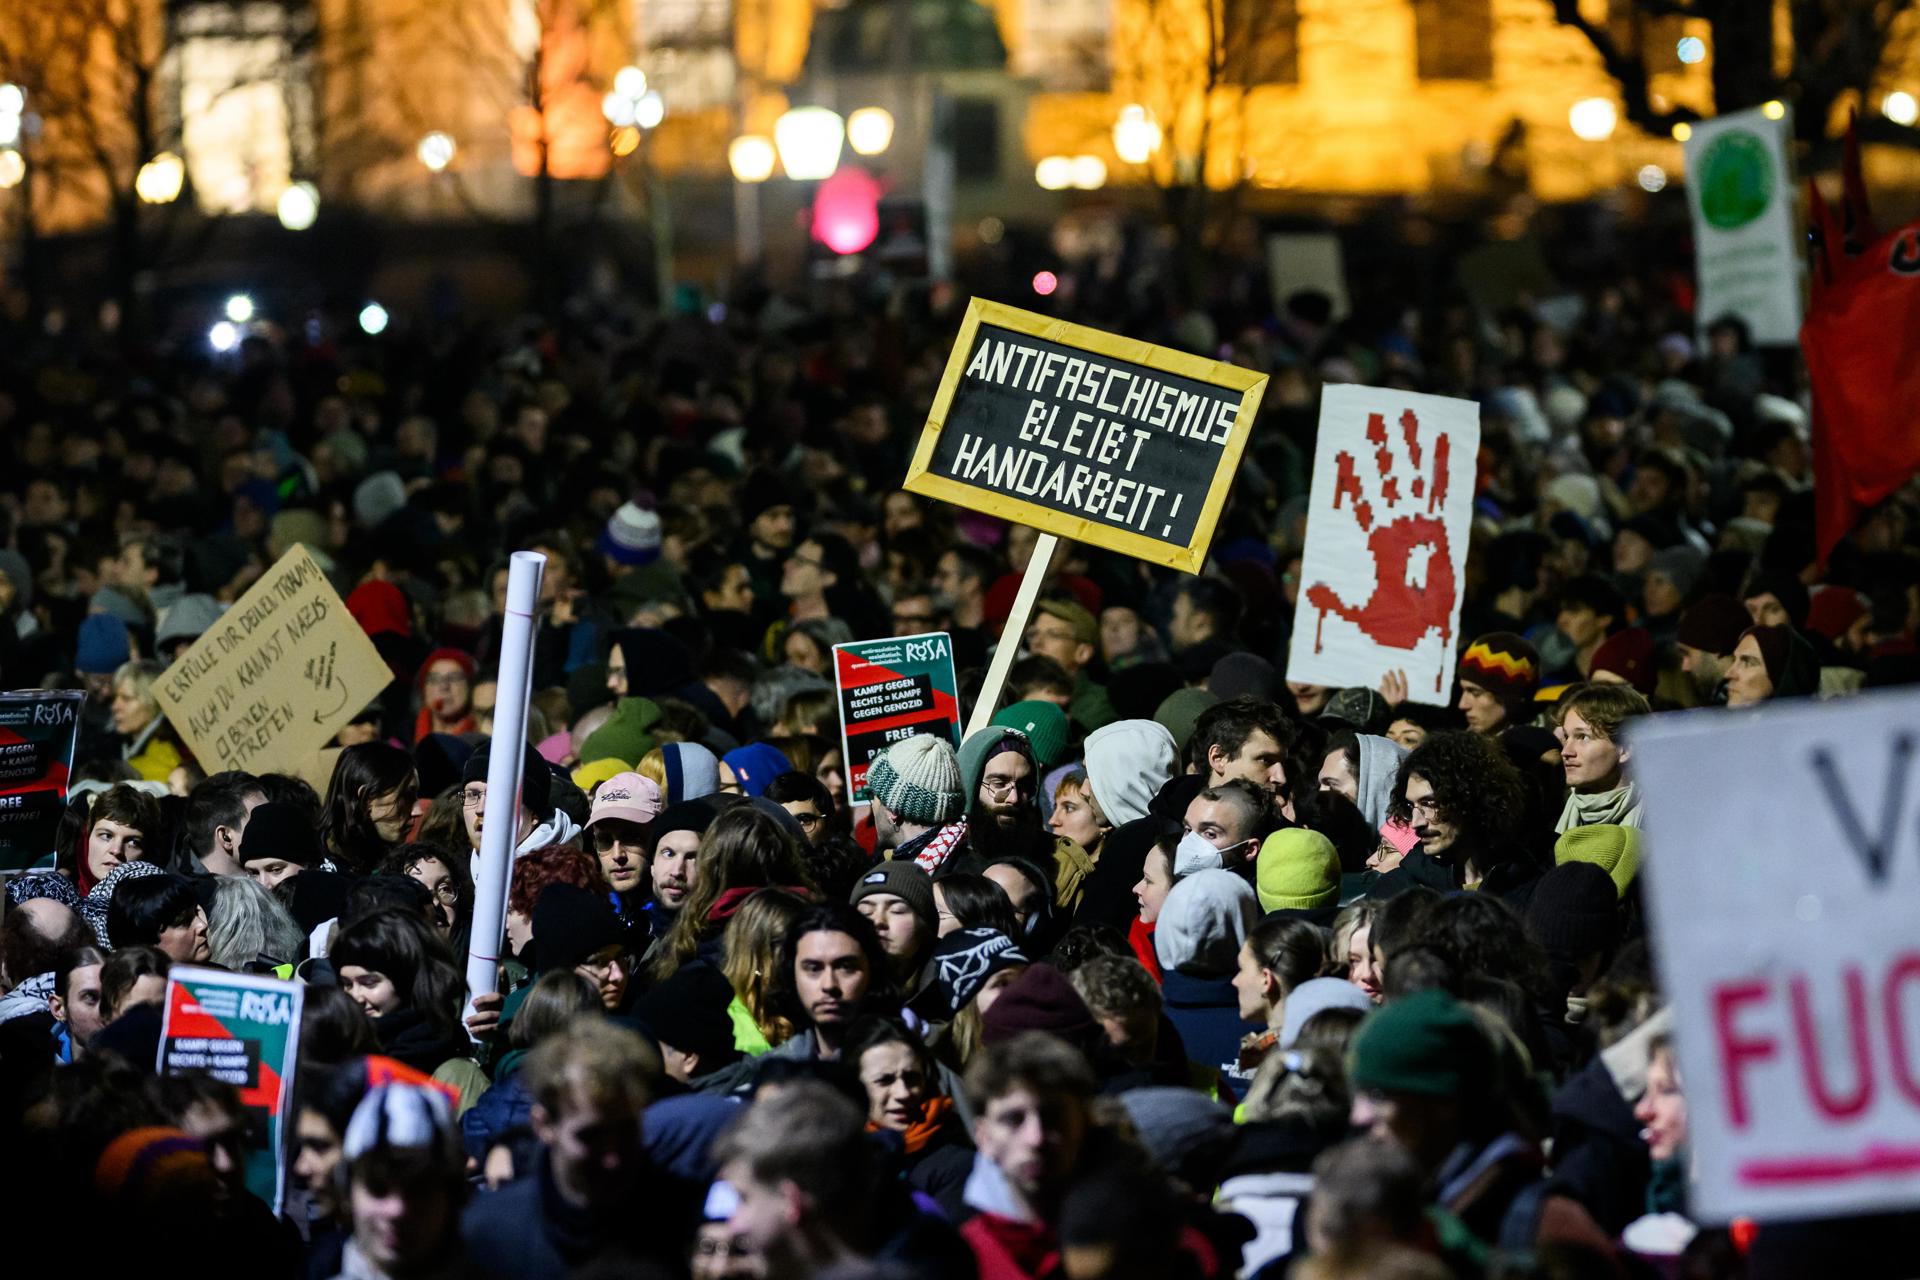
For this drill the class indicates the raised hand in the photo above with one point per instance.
(1396, 613)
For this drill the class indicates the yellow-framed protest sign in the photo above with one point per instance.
(1085, 434)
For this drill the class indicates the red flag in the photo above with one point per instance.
(1855, 220)
(1865, 371)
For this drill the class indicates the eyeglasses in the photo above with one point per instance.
(445, 680)
(1429, 806)
(601, 966)
(731, 1247)
(809, 819)
(997, 786)
(473, 797)
(444, 893)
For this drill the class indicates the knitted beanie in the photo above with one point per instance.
(1297, 870)
(1180, 712)
(1629, 655)
(1041, 999)
(1615, 850)
(905, 881)
(1574, 911)
(460, 657)
(689, 1012)
(960, 965)
(283, 831)
(693, 771)
(1427, 1043)
(570, 924)
(627, 734)
(755, 765)
(919, 780)
(689, 815)
(1243, 675)
(102, 646)
(1503, 664)
(1713, 624)
(632, 535)
(1045, 725)
(536, 778)
(1362, 710)
(1317, 995)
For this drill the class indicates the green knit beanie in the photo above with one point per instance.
(626, 736)
(1427, 1043)
(1297, 870)
(1045, 725)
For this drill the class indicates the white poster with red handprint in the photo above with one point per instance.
(1387, 529)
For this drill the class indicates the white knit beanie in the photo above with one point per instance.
(919, 779)
(1127, 763)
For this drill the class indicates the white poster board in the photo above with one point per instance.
(1746, 254)
(1783, 877)
(1387, 529)
(1308, 260)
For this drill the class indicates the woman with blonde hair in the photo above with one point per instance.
(749, 955)
(147, 742)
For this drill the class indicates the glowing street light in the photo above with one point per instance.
(373, 319)
(1652, 178)
(617, 108)
(1774, 110)
(13, 169)
(1593, 119)
(809, 141)
(160, 179)
(1900, 107)
(751, 157)
(650, 109)
(1682, 131)
(224, 336)
(239, 308)
(1054, 173)
(630, 83)
(1136, 135)
(870, 130)
(298, 206)
(10, 126)
(1045, 282)
(1691, 49)
(1087, 173)
(436, 151)
(13, 100)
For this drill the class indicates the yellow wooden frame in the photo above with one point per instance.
(1190, 558)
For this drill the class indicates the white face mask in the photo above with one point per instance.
(1193, 853)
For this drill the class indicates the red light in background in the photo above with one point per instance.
(846, 211)
(1045, 282)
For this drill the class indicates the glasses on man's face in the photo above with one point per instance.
(445, 680)
(912, 619)
(444, 893)
(1000, 786)
(1428, 807)
(730, 1247)
(809, 820)
(601, 966)
(473, 797)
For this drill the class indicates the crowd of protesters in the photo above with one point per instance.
(1181, 968)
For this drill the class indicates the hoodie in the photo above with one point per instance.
(1197, 939)
(1379, 766)
(557, 828)
(1127, 763)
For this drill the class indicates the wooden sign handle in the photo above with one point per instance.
(1010, 635)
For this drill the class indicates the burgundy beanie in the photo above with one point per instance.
(1773, 650)
(1041, 999)
(1713, 625)
(1629, 655)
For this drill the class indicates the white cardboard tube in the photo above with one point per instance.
(501, 817)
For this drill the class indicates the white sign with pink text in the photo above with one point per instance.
(1783, 865)
(1387, 528)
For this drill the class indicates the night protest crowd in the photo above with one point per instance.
(1179, 969)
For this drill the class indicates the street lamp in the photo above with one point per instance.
(13, 169)
(751, 158)
(630, 83)
(298, 206)
(1592, 119)
(239, 308)
(870, 130)
(1900, 107)
(1087, 173)
(809, 140)
(436, 151)
(160, 179)
(13, 100)
(1136, 135)
(373, 319)
(1054, 173)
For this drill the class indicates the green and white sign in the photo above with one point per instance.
(1746, 252)
(890, 690)
(244, 1030)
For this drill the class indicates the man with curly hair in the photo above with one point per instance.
(1467, 803)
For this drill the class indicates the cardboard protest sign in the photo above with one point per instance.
(276, 677)
(1387, 528)
(244, 1030)
(1746, 251)
(37, 732)
(1085, 434)
(1783, 861)
(890, 690)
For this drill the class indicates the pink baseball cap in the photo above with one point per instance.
(626, 796)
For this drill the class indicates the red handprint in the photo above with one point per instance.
(1396, 614)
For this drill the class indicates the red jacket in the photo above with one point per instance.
(1008, 1249)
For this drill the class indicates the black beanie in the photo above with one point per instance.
(689, 815)
(571, 923)
(1574, 911)
(689, 1012)
(280, 830)
(536, 779)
